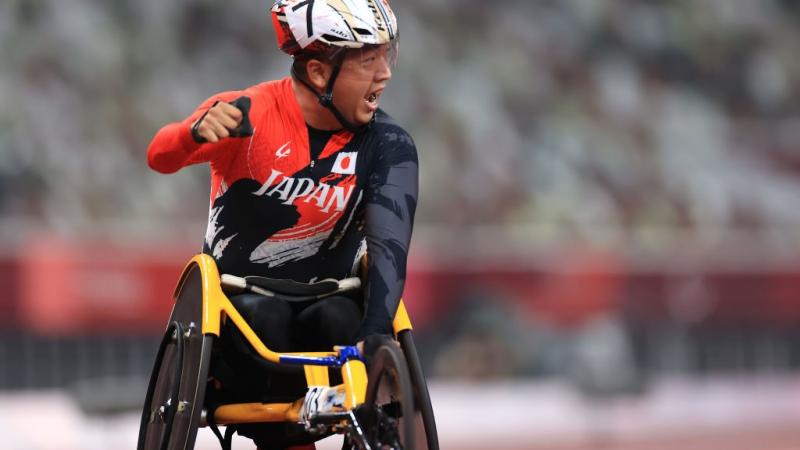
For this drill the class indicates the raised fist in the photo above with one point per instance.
(223, 120)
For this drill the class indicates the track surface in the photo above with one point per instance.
(767, 439)
(677, 414)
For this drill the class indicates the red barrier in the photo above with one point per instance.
(581, 285)
(62, 287)
(80, 288)
(9, 290)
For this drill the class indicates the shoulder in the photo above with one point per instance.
(391, 145)
(267, 94)
(390, 134)
(262, 93)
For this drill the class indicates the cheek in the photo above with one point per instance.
(351, 91)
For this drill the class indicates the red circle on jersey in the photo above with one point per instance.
(345, 163)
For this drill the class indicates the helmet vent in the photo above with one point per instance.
(362, 31)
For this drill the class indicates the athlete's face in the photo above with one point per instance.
(362, 79)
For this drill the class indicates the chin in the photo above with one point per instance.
(362, 119)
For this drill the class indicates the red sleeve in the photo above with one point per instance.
(173, 147)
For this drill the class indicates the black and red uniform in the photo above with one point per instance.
(279, 211)
(303, 204)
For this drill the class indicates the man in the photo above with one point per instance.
(307, 175)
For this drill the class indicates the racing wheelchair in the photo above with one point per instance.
(387, 407)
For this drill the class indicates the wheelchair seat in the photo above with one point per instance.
(291, 287)
(288, 289)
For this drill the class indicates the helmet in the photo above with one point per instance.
(316, 26)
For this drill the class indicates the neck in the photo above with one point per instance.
(314, 114)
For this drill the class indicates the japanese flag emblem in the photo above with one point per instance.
(345, 163)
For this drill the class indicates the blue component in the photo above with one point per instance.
(345, 354)
(330, 361)
(349, 352)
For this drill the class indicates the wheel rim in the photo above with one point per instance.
(423, 410)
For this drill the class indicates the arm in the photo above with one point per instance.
(391, 203)
(174, 146)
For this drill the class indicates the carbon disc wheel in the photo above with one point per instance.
(175, 395)
(389, 404)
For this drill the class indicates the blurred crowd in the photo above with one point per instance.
(574, 119)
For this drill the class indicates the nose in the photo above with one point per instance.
(384, 72)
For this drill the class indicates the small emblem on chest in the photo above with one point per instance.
(345, 163)
(283, 151)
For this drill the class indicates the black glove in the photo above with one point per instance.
(245, 128)
(371, 345)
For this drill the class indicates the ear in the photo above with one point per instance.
(318, 73)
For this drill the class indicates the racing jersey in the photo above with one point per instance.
(277, 211)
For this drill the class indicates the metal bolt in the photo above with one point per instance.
(157, 416)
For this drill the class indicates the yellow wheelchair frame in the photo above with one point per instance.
(178, 408)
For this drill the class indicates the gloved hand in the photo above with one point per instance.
(370, 345)
(224, 120)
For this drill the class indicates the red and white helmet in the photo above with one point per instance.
(319, 25)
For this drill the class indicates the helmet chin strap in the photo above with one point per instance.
(326, 99)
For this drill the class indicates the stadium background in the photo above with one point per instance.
(607, 243)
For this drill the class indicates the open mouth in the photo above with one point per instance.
(372, 99)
